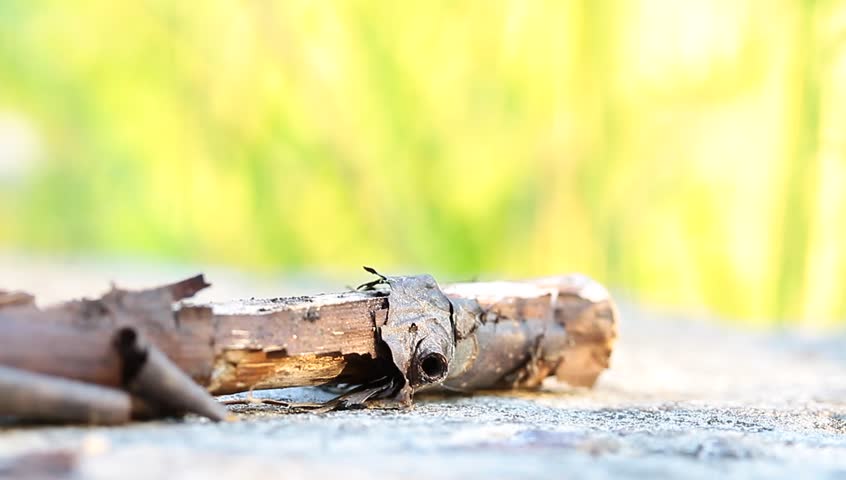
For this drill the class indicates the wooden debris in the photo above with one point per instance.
(95, 342)
(37, 397)
(297, 341)
(396, 336)
(149, 374)
(515, 335)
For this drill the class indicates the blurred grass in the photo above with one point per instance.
(691, 153)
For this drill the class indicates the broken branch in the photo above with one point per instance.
(398, 336)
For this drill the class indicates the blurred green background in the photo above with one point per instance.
(688, 153)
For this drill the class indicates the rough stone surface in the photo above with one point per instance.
(683, 398)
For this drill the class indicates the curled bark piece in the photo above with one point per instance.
(34, 396)
(166, 389)
(418, 332)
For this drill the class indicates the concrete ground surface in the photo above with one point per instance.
(684, 399)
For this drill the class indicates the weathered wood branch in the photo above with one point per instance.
(296, 341)
(464, 337)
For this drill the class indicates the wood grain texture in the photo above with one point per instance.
(513, 335)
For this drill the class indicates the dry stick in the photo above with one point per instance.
(564, 326)
(150, 375)
(33, 396)
(517, 335)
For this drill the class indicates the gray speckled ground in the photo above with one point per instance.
(683, 399)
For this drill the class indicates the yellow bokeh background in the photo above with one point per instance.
(689, 154)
